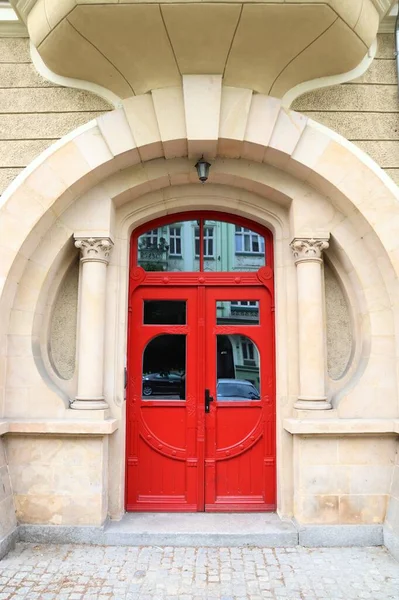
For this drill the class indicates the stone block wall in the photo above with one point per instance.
(34, 113)
(391, 529)
(343, 479)
(59, 480)
(366, 110)
(8, 521)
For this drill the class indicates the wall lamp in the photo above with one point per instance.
(203, 167)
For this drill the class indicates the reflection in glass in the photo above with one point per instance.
(164, 368)
(225, 246)
(164, 312)
(169, 248)
(238, 375)
(234, 248)
(237, 312)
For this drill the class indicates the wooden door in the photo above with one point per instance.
(239, 374)
(201, 399)
(163, 466)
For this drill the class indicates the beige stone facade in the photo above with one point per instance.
(334, 216)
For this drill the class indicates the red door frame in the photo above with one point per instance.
(202, 280)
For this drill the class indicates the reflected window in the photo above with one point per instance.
(208, 242)
(207, 245)
(164, 312)
(175, 241)
(237, 312)
(164, 368)
(249, 242)
(238, 373)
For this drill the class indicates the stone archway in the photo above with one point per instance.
(140, 160)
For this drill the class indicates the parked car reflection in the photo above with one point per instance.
(236, 390)
(163, 384)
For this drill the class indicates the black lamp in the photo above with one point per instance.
(203, 167)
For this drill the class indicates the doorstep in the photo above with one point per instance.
(202, 529)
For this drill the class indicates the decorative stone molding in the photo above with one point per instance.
(308, 248)
(94, 249)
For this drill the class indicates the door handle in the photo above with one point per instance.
(208, 400)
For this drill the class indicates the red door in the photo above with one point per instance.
(200, 392)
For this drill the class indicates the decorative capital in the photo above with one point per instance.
(94, 249)
(308, 248)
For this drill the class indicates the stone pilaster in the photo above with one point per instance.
(308, 256)
(90, 355)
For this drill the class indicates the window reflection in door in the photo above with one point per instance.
(164, 368)
(225, 247)
(238, 373)
(237, 312)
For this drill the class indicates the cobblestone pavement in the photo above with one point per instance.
(76, 572)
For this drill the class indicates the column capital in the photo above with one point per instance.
(311, 249)
(94, 248)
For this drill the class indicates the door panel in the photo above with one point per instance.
(239, 447)
(162, 459)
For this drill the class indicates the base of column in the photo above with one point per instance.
(307, 403)
(89, 404)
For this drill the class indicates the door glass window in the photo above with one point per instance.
(164, 368)
(237, 312)
(234, 248)
(238, 368)
(204, 244)
(164, 312)
(169, 248)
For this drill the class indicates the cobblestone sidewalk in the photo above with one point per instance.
(70, 572)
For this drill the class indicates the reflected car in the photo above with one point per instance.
(236, 390)
(162, 384)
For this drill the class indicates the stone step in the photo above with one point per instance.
(201, 529)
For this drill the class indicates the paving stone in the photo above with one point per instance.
(77, 572)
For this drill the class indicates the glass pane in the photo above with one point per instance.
(169, 248)
(229, 247)
(164, 368)
(164, 312)
(237, 312)
(238, 375)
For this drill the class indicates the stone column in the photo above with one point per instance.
(90, 355)
(312, 360)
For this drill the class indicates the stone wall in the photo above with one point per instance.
(391, 529)
(366, 110)
(59, 480)
(343, 479)
(8, 521)
(34, 112)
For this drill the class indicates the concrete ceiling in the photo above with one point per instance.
(132, 47)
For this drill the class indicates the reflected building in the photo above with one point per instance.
(176, 247)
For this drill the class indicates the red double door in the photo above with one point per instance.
(200, 399)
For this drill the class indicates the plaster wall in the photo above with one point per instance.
(62, 340)
(8, 521)
(339, 333)
(365, 110)
(33, 111)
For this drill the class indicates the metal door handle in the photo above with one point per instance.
(208, 400)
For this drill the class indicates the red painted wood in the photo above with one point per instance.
(178, 457)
